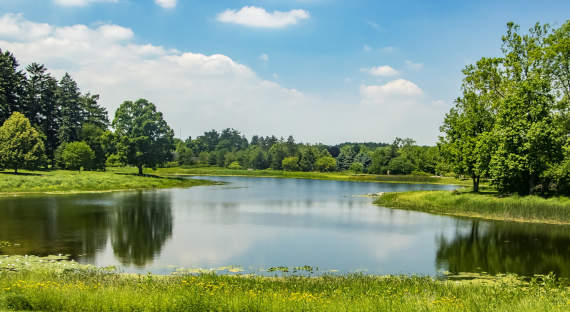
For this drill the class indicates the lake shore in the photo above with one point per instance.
(314, 175)
(488, 206)
(55, 284)
(75, 182)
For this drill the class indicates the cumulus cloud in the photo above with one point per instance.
(80, 2)
(384, 71)
(197, 92)
(259, 17)
(167, 4)
(413, 66)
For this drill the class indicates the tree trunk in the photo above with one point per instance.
(475, 184)
(140, 169)
(16, 170)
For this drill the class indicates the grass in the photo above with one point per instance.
(340, 176)
(488, 205)
(63, 181)
(55, 285)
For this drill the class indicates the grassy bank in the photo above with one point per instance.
(63, 181)
(486, 205)
(72, 288)
(340, 176)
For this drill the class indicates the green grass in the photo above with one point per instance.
(489, 205)
(340, 176)
(53, 285)
(63, 181)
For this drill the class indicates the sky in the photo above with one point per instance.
(324, 71)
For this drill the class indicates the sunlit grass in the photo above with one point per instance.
(341, 176)
(83, 289)
(74, 181)
(489, 205)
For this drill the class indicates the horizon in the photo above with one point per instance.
(271, 67)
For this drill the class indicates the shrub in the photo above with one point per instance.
(357, 167)
(290, 164)
(326, 164)
(235, 165)
(77, 155)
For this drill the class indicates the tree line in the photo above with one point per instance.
(49, 123)
(512, 122)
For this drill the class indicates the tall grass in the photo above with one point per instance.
(74, 181)
(341, 176)
(78, 290)
(486, 205)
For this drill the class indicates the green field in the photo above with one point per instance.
(340, 176)
(52, 285)
(489, 205)
(64, 181)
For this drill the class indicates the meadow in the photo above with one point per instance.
(55, 284)
(485, 205)
(66, 181)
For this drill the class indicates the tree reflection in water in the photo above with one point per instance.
(503, 247)
(140, 226)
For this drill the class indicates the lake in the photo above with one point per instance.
(260, 223)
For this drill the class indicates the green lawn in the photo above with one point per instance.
(64, 181)
(52, 285)
(341, 176)
(489, 205)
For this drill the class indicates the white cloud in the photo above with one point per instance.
(197, 92)
(413, 66)
(275, 76)
(80, 2)
(264, 57)
(398, 87)
(384, 71)
(259, 17)
(167, 4)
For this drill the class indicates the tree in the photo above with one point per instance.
(92, 112)
(184, 154)
(357, 167)
(325, 164)
(308, 158)
(11, 86)
(76, 155)
(41, 106)
(21, 145)
(68, 99)
(95, 139)
(144, 138)
(277, 152)
(290, 163)
(345, 157)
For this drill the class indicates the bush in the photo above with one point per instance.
(77, 155)
(235, 165)
(114, 160)
(326, 164)
(357, 167)
(290, 164)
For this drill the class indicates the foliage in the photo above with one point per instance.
(143, 137)
(357, 167)
(20, 144)
(326, 164)
(235, 165)
(77, 155)
(290, 164)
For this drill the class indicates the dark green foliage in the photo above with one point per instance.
(143, 137)
(95, 138)
(12, 90)
(69, 101)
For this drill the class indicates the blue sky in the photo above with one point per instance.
(323, 70)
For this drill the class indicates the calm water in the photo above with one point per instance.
(260, 223)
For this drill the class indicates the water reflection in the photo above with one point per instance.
(140, 227)
(499, 247)
(264, 222)
(137, 224)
